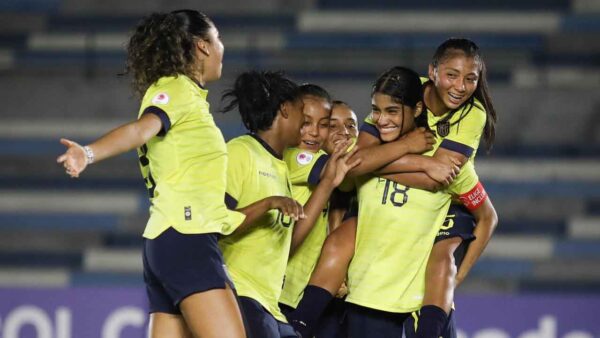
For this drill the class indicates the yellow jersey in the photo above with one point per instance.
(397, 226)
(463, 134)
(257, 258)
(305, 169)
(184, 165)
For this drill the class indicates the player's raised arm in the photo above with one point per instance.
(338, 165)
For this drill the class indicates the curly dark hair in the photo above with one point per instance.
(259, 96)
(163, 45)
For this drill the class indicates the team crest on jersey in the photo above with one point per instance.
(161, 98)
(443, 128)
(304, 158)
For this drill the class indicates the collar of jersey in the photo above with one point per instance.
(203, 91)
(266, 146)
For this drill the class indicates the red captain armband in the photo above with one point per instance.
(474, 198)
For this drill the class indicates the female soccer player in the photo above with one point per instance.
(386, 275)
(343, 126)
(462, 108)
(257, 252)
(305, 164)
(183, 159)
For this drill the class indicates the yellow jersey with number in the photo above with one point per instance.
(257, 257)
(184, 165)
(397, 226)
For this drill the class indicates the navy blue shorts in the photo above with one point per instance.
(178, 265)
(449, 330)
(459, 223)
(261, 324)
(368, 323)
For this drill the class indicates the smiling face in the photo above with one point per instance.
(342, 126)
(392, 119)
(455, 80)
(315, 128)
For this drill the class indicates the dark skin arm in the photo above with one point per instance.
(416, 171)
(374, 155)
(487, 220)
(335, 170)
(288, 206)
(313, 207)
(434, 173)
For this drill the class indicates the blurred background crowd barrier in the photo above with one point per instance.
(70, 250)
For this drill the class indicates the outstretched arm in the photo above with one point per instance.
(124, 138)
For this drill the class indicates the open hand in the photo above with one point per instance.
(74, 159)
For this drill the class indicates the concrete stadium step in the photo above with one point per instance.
(583, 227)
(112, 260)
(50, 240)
(78, 202)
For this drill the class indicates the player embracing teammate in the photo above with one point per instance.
(243, 233)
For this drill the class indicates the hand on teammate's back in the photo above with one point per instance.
(419, 140)
(74, 159)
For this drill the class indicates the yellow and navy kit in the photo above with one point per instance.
(257, 258)
(305, 169)
(397, 226)
(465, 127)
(184, 165)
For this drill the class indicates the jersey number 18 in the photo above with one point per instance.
(397, 194)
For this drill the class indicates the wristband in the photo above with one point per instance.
(474, 198)
(89, 155)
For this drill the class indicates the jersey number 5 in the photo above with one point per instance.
(397, 196)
